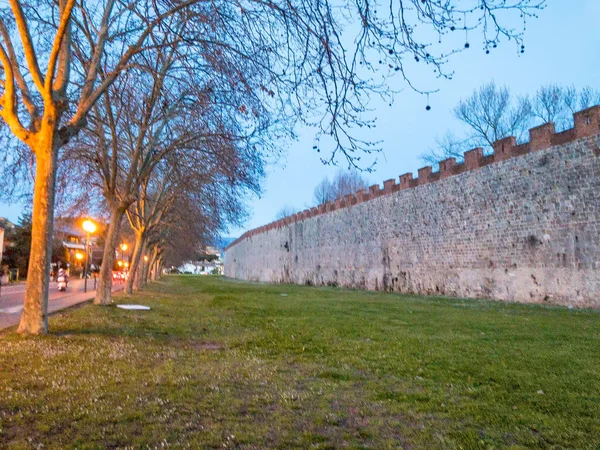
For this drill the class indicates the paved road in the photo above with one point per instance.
(11, 299)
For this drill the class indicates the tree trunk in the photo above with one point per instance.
(135, 262)
(141, 272)
(104, 292)
(155, 274)
(34, 319)
(152, 265)
(144, 278)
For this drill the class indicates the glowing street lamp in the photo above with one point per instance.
(89, 227)
(120, 263)
(123, 247)
(78, 256)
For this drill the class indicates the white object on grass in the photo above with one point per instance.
(134, 307)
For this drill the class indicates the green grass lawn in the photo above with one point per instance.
(219, 363)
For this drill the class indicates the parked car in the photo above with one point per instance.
(119, 275)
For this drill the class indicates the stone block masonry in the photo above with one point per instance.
(522, 224)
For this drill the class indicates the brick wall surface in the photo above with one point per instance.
(520, 225)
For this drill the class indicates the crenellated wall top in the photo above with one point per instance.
(586, 124)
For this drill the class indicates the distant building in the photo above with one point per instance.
(73, 244)
(209, 250)
(6, 224)
(70, 241)
(209, 262)
(5, 227)
(214, 267)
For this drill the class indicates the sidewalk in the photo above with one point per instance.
(12, 316)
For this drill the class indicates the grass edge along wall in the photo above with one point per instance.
(522, 224)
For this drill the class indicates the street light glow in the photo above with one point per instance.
(123, 246)
(89, 226)
(146, 258)
(79, 256)
(120, 263)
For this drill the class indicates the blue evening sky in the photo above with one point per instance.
(562, 46)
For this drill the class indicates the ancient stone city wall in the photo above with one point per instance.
(522, 225)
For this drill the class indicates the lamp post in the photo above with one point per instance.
(123, 247)
(89, 227)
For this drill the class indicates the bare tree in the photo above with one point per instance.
(145, 216)
(48, 89)
(492, 113)
(348, 182)
(191, 220)
(549, 103)
(294, 54)
(587, 97)
(446, 146)
(343, 183)
(323, 192)
(206, 186)
(556, 103)
(285, 211)
(165, 104)
(119, 149)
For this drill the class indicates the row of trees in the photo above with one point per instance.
(493, 112)
(164, 111)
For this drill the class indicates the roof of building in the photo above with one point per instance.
(74, 246)
(6, 224)
(69, 229)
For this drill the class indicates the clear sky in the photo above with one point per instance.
(562, 46)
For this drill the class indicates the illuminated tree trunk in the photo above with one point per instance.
(143, 265)
(34, 319)
(155, 264)
(150, 271)
(134, 267)
(104, 292)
